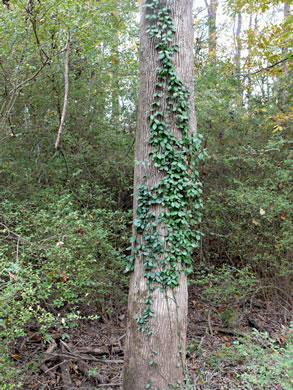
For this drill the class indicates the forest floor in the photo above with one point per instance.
(223, 345)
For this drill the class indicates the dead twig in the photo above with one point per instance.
(13, 233)
(210, 323)
(52, 368)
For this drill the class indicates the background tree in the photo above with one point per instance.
(212, 28)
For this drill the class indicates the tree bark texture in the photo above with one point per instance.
(170, 307)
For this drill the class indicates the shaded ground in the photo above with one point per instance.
(90, 355)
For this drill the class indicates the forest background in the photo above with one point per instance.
(68, 97)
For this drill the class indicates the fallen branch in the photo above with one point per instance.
(47, 370)
(92, 351)
(65, 373)
(49, 351)
(233, 332)
(72, 356)
(43, 365)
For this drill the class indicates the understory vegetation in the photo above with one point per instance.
(66, 212)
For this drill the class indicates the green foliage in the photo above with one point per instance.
(227, 286)
(60, 260)
(64, 214)
(59, 264)
(247, 218)
(264, 361)
(9, 373)
(253, 209)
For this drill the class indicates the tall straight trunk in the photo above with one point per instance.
(212, 18)
(285, 51)
(286, 10)
(237, 55)
(238, 45)
(115, 87)
(248, 62)
(157, 360)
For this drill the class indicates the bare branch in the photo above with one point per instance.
(268, 67)
(20, 85)
(66, 89)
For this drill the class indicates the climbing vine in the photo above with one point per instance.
(179, 190)
(166, 241)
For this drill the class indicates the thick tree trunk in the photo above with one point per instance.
(158, 360)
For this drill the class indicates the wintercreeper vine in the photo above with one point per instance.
(166, 255)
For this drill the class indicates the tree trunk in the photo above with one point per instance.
(155, 357)
(285, 52)
(238, 45)
(212, 16)
(286, 10)
(237, 55)
(248, 62)
(115, 87)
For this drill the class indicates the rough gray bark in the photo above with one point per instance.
(169, 321)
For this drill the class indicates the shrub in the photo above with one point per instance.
(57, 260)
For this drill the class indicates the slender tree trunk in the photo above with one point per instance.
(238, 45)
(115, 87)
(158, 360)
(212, 18)
(286, 10)
(66, 90)
(237, 55)
(248, 61)
(285, 51)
